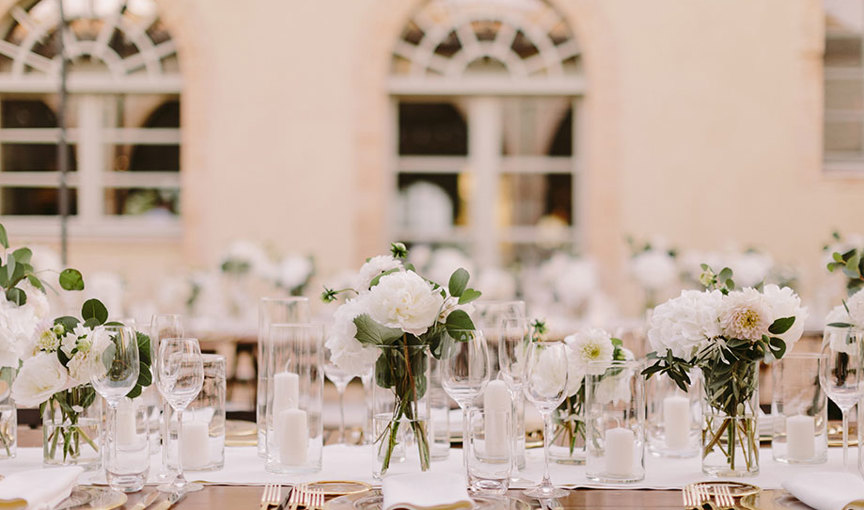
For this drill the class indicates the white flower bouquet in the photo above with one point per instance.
(725, 333)
(393, 311)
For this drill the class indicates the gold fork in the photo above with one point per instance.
(314, 499)
(723, 496)
(271, 496)
(295, 499)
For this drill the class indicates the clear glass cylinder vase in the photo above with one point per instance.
(568, 430)
(615, 422)
(282, 310)
(400, 410)
(730, 429)
(799, 410)
(674, 419)
(8, 415)
(295, 398)
(72, 428)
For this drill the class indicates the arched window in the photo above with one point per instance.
(123, 116)
(486, 99)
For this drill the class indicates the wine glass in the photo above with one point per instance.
(165, 325)
(117, 370)
(179, 377)
(340, 378)
(840, 372)
(465, 370)
(513, 347)
(545, 385)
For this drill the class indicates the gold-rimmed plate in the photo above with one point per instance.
(374, 501)
(339, 487)
(240, 433)
(736, 489)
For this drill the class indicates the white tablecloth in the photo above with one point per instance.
(244, 467)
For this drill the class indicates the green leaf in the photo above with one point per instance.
(730, 284)
(839, 325)
(377, 279)
(459, 325)
(36, 282)
(469, 295)
(458, 282)
(143, 348)
(778, 347)
(144, 376)
(71, 279)
(370, 332)
(134, 392)
(781, 325)
(94, 309)
(851, 270)
(725, 274)
(22, 255)
(16, 295)
(11, 266)
(4, 239)
(92, 323)
(617, 342)
(838, 257)
(68, 322)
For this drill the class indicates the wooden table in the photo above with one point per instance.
(232, 497)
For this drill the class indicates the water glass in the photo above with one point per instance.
(799, 410)
(439, 409)
(840, 372)
(295, 398)
(126, 448)
(161, 326)
(8, 414)
(203, 441)
(489, 451)
(615, 421)
(674, 419)
(284, 310)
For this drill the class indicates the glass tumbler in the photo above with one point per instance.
(126, 447)
(799, 410)
(674, 419)
(615, 422)
(490, 450)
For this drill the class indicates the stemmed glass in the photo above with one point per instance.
(166, 325)
(513, 347)
(840, 372)
(340, 378)
(545, 384)
(117, 370)
(465, 372)
(179, 377)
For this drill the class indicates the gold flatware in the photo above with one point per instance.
(147, 500)
(338, 487)
(723, 496)
(271, 496)
(315, 499)
(294, 498)
(171, 501)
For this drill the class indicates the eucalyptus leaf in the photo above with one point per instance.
(94, 309)
(16, 295)
(839, 325)
(459, 325)
(4, 238)
(469, 295)
(71, 279)
(781, 325)
(458, 282)
(370, 332)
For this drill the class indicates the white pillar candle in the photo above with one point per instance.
(620, 443)
(286, 391)
(676, 421)
(292, 434)
(497, 405)
(125, 429)
(195, 444)
(800, 437)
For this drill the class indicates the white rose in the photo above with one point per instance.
(575, 371)
(87, 362)
(745, 314)
(40, 377)
(685, 324)
(785, 303)
(406, 301)
(372, 268)
(346, 352)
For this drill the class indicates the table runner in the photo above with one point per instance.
(244, 467)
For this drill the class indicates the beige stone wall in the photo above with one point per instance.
(703, 125)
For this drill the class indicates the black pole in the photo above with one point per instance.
(63, 146)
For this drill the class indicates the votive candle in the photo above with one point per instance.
(800, 437)
(618, 456)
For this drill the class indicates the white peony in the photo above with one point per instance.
(40, 377)
(250, 255)
(372, 268)
(750, 268)
(406, 301)
(685, 324)
(614, 388)
(346, 352)
(444, 262)
(856, 308)
(21, 325)
(497, 284)
(654, 269)
(593, 345)
(87, 361)
(575, 283)
(785, 303)
(745, 314)
(550, 376)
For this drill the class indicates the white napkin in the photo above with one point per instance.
(825, 490)
(40, 488)
(425, 491)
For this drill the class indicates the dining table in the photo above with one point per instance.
(218, 496)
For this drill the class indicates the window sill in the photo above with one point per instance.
(119, 229)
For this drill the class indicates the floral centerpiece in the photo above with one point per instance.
(725, 333)
(568, 442)
(846, 256)
(393, 322)
(55, 375)
(655, 269)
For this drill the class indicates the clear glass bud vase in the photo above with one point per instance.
(72, 428)
(730, 432)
